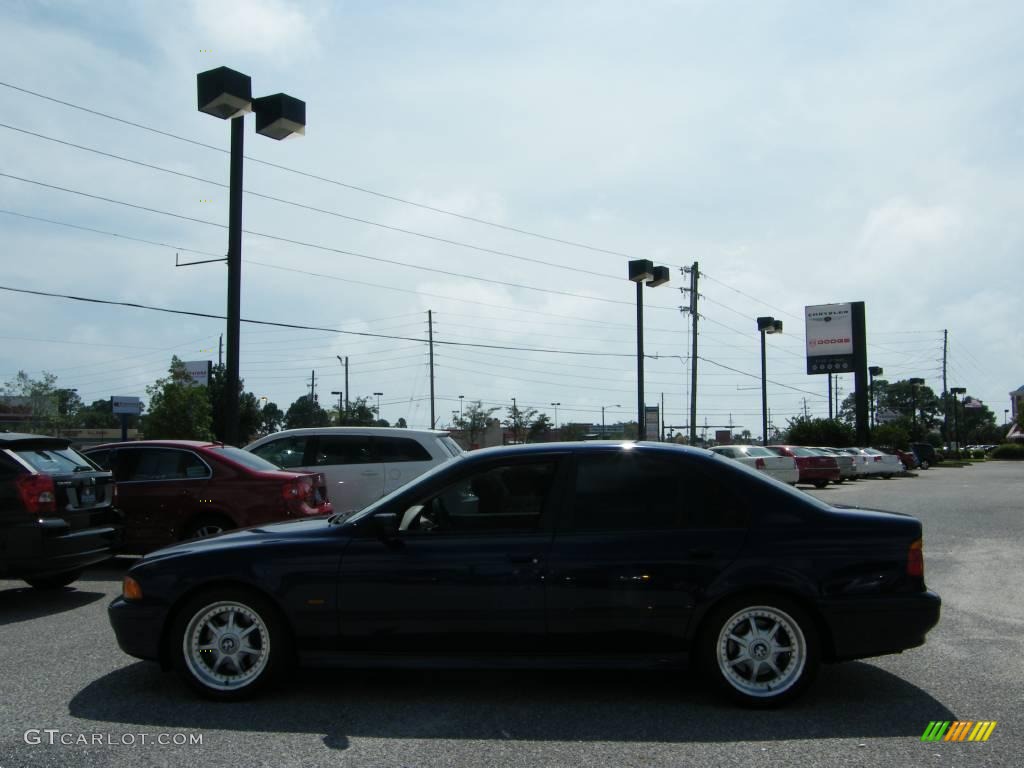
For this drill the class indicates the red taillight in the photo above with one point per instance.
(759, 464)
(915, 559)
(299, 489)
(38, 493)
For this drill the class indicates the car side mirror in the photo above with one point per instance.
(385, 525)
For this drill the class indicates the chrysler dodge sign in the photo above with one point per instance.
(829, 338)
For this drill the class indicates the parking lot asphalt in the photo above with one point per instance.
(63, 679)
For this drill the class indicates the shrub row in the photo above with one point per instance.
(1009, 451)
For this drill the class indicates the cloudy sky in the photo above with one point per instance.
(801, 152)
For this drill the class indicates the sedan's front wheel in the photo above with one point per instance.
(761, 651)
(229, 643)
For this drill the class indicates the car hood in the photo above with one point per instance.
(861, 518)
(244, 538)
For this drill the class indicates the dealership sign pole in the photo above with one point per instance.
(837, 343)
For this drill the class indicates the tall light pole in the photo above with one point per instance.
(604, 432)
(556, 415)
(515, 421)
(641, 272)
(765, 325)
(341, 405)
(873, 371)
(461, 398)
(227, 94)
(1006, 417)
(344, 363)
(914, 384)
(378, 394)
(954, 391)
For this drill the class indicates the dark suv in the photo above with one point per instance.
(57, 511)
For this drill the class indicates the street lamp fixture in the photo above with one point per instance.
(556, 414)
(643, 271)
(604, 433)
(461, 398)
(378, 395)
(227, 94)
(341, 404)
(765, 325)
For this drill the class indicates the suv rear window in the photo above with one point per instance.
(54, 461)
(394, 449)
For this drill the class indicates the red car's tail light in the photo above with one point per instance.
(38, 493)
(299, 489)
(915, 559)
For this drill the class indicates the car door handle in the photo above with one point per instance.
(522, 559)
(701, 554)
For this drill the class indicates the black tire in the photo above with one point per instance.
(720, 652)
(820, 483)
(54, 581)
(206, 525)
(253, 650)
(925, 464)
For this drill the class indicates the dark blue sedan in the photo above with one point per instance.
(555, 555)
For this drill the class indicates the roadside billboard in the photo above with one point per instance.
(199, 370)
(829, 338)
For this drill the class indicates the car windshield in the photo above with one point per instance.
(246, 459)
(53, 461)
(757, 451)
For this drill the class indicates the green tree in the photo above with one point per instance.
(474, 420)
(306, 412)
(358, 413)
(35, 399)
(100, 415)
(518, 420)
(573, 432)
(178, 410)
(828, 432)
(540, 429)
(271, 418)
(895, 435)
(401, 423)
(250, 418)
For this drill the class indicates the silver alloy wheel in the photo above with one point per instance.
(210, 529)
(226, 645)
(761, 651)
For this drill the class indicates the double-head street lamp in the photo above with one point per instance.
(765, 325)
(643, 271)
(954, 391)
(914, 384)
(873, 371)
(227, 94)
(341, 404)
(556, 414)
(378, 395)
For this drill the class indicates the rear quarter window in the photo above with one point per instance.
(391, 450)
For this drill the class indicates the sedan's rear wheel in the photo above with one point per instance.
(761, 651)
(229, 643)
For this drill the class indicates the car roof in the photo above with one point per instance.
(359, 431)
(156, 444)
(13, 438)
(587, 446)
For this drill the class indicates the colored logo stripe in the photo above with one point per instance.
(958, 730)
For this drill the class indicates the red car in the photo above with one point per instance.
(171, 490)
(812, 466)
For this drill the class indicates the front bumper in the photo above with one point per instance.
(876, 625)
(138, 627)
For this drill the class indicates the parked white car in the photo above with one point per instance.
(780, 467)
(890, 464)
(359, 464)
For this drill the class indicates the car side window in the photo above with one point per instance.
(510, 498)
(100, 458)
(287, 453)
(625, 491)
(150, 464)
(397, 449)
(343, 449)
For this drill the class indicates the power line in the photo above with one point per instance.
(291, 241)
(335, 182)
(304, 206)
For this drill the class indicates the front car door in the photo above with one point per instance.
(643, 536)
(464, 571)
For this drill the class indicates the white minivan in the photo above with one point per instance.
(359, 464)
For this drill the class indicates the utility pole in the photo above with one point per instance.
(344, 363)
(661, 419)
(312, 385)
(220, 351)
(694, 272)
(945, 391)
(829, 399)
(430, 335)
(830, 404)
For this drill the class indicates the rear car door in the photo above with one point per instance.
(402, 459)
(353, 474)
(159, 490)
(639, 543)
